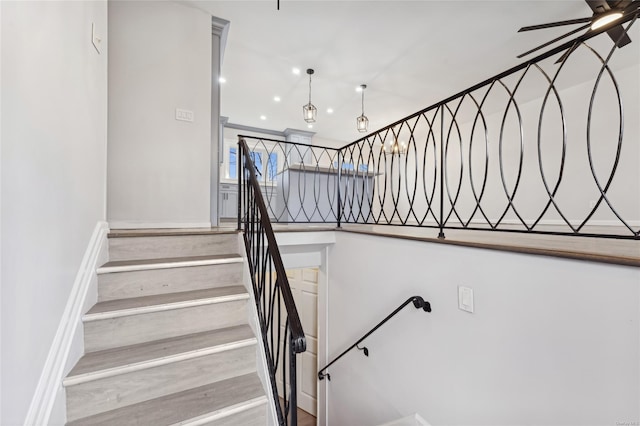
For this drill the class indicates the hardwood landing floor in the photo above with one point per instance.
(305, 419)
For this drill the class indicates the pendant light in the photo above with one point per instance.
(309, 111)
(362, 122)
(395, 148)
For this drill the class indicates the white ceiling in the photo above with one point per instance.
(410, 54)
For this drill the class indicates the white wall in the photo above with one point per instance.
(551, 342)
(54, 123)
(159, 168)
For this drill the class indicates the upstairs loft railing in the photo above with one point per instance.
(542, 148)
(281, 329)
(300, 180)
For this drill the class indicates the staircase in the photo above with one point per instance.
(169, 340)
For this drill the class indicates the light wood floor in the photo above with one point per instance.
(624, 252)
(305, 419)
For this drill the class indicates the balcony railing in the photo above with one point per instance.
(545, 147)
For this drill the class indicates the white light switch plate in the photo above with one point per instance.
(465, 299)
(184, 115)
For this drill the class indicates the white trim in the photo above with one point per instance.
(224, 412)
(167, 265)
(125, 224)
(51, 377)
(156, 362)
(164, 307)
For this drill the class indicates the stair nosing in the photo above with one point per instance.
(224, 412)
(171, 263)
(123, 233)
(119, 313)
(156, 362)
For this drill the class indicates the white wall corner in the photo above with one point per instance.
(68, 341)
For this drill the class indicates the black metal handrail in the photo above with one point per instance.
(481, 161)
(457, 172)
(273, 298)
(418, 303)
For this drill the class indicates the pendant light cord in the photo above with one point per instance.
(362, 101)
(309, 88)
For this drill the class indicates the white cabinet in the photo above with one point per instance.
(228, 201)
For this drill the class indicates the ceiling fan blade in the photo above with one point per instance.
(554, 40)
(618, 36)
(598, 6)
(555, 24)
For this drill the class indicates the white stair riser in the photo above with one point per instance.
(122, 285)
(141, 328)
(256, 416)
(131, 248)
(110, 393)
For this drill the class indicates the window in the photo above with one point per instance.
(267, 163)
(232, 169)
(351, 167)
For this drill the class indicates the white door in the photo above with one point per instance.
(304, 287)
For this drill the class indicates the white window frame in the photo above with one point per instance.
(263, 178)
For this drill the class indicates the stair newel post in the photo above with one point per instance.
(441, 233)
(339, 213)
(293, 402)
(239, 160)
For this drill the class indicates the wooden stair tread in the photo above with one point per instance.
(178, 232)
(204, 402)
(110, 362)
(168, 262)
(159, 302)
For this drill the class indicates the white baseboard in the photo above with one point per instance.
(156, 225)
(50, 383)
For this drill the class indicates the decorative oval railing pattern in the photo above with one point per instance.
(547, 147)
(540, 148)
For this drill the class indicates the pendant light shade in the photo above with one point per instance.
(309, 111)
(362, 122)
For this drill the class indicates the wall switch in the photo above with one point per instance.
(184, 115)
(465, 299)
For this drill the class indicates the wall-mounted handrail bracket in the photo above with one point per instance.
(364, 349)
(418, 303)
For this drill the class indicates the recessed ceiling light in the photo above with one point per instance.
(359, 89)
(222, 80)
(263, 117)
(310, 126)
(329, 110)
(276, 98)
(296, 71)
